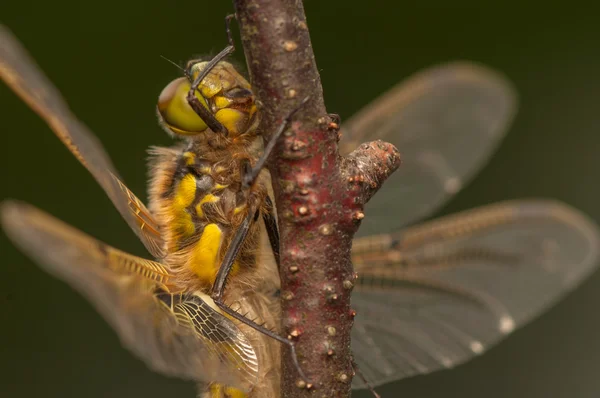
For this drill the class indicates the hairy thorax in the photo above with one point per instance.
(196, 196)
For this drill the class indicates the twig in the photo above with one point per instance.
(319, 195)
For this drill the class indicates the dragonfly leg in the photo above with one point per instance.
(272, 230)
(364, 379)
(219, 288)
(208, 118)
(252, 174)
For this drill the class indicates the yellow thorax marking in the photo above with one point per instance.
(208, 198)
(190, 158)
(204, 258)
(186, 192)
(239, 209)
(205, 261)
(184, 196)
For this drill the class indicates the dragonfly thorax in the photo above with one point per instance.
(195, 195)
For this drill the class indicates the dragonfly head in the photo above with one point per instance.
(223, 92)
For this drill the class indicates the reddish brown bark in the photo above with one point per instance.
(319, 195)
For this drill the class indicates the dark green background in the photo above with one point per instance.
(104, 56)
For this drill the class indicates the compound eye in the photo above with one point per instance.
(175, 112)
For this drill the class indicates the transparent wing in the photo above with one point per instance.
(446, 121)
(20, 73)
(175, 334)
(145, 225)
(437, 294)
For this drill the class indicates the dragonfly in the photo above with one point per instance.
(429, 296)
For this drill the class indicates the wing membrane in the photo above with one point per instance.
(19, 72)
(437, 294)
(446, 121)
(175, 334)
(146, 226)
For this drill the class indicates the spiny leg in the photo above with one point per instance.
(219, 288)
(231, 254)
(272, 230)
(205, 114)
(364, 379)
(251, 175)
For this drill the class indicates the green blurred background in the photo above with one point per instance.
(104, 57)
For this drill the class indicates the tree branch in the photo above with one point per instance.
(319, 195)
